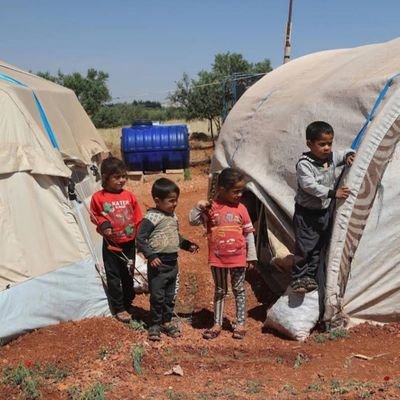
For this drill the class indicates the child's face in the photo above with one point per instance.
(116, 182)
(233, 194)
(168, 204)
(322, 147)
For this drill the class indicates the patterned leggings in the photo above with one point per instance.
(220, 276)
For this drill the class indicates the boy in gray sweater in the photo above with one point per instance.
(316, 178)
(159, 240)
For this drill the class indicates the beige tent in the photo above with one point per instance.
(47, 263)
(264, 136)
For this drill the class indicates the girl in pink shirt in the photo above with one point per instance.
(231, 246)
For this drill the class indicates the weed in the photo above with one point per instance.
(320, 338)
(299, 360)
(168, 351)
(96, 392)
(314, 387)
(137, 356)
(139, 326)
(338, 387)
(55, 373)
(204, 352)
(252, 387)
(338, 333)
(103, 353)
(279, 360)
(172, 395)
(287, 387)
(25, 378)
(74, 393)
(187, 174)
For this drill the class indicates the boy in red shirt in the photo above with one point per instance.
(117, 215)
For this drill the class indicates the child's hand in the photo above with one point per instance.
(203, 205)
(350, 159)
(155, 263)
(343, 192)
(250, 265)
(193, 248)
(107, 232)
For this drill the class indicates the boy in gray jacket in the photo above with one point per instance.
(316, 178)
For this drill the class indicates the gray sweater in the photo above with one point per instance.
(316, 179)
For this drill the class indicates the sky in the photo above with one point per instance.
(146, 45)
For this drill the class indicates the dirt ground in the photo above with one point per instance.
(100, 358)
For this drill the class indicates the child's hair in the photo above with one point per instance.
(229, 177)
(163, 187)
(316, 129)
(111, 166)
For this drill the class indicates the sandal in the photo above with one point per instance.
(212, 333)
(299, 286)
(123, 316)
(154, 333)
(239, 333)
(171, 330)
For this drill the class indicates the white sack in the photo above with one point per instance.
(294, 314)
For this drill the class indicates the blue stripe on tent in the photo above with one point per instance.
(42, 114)
(46, 123)
(357, 140)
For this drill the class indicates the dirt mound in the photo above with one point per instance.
(101, 358)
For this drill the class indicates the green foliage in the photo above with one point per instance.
(139, 326)
(187, 175)
(214, 92)
(334, 334)
(253, 387)
(55, 373)
(96, 392)
(137, 356)
(25, 378)
(299, 360)
(91, 90)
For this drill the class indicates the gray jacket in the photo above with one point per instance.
(316, 179)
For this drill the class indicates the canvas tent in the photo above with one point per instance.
(264, 135)
(47, 262)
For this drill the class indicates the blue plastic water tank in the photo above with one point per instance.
(155, 147)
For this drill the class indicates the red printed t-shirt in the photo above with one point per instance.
(227, 227)
(120, 210)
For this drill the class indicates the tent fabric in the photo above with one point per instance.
(49, 250)
(73, 292)
(75, 134)
(264, 135)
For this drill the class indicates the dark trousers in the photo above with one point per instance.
(162, 283)
(120, 290)
(311, 229)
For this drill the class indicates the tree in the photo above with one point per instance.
(214, 92)
(92, 90)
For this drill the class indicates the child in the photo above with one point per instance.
(117, 214)
(315, 188)
(231, 246)
(159, 240)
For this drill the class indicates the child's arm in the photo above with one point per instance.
(137, 211)
(198, 214)
(142, 243)
(344, 157)
(187, 245)
(251, 250)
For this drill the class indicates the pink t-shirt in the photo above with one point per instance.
(227, 226)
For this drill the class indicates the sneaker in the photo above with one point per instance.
(123, 316)
(154, 333)
(170, 330)
(299, 285)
